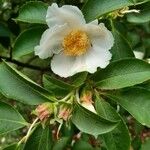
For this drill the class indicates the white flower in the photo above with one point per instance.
(76, 46)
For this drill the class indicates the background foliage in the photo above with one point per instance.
(121, 90)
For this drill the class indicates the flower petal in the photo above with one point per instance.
(71, 15)
(90, 61)
(66, 66)
(51, 41)
(97, 57)
(94, 58)
(94, 22)
(62, 65)
(100, 35)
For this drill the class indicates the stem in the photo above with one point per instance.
(112, 24)
(57, 134)
(77, 96)
(25, 138)
(66, 97)
(29, 131)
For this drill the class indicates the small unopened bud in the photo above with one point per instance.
(64, 112)
(44, 111)
(138, 54)
(86, 97)
(86, 101)
(89, 107)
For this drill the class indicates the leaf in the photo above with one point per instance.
(25, 43)
(142, 17)
(91, 123)
(146, 145)
(60, 83)
(136, 101)
(121, 48)
(78, 79)
(4, 31)
(136, 142)
(10, 119)
(11, 147)
(41, 139)
(119, 138)
(82, 145)
(95, 8)
(122, 73)
(17, 86)
(14, 146)
(33, 12)
(61, 144)
(58, 87)
(145, 85)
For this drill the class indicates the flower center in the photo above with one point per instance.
(76, 43)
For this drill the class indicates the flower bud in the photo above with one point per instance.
(44, 111)
(64, 112)
(86, 101)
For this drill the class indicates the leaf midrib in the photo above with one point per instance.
(120, 76)
(18, 122)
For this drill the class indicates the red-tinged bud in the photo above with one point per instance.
(44, 111)
(64, 112)
(86, 101)
(86, 97)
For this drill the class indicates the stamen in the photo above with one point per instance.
(76, 43)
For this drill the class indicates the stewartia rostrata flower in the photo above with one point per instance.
(75, 45)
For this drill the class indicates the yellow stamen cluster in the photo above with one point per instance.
(76, 43)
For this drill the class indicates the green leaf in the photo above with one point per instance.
(95, 8)
(10, 119)
(33, 12)
(91, 123)
(41, 139)
(78, 79)
(17, 86)
(119, 138)
(4, 31)
(121, 48)
(136, 142)
(61, 144)
(142, 17)
(122, 73)
(145, 85)
(136, 101)
(11, 147)
(146, 145)
(58, 87)
(25, 43)
(82, 145)
(59, 83)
